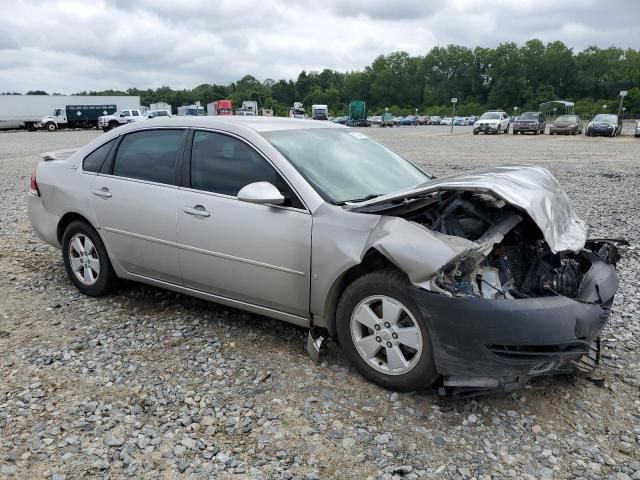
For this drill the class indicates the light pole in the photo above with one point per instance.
(604, 107)
(416, 119)
(515, 111)
(454, 100)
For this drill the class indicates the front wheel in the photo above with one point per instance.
(86, 260)
(50, 126)
(384, 334)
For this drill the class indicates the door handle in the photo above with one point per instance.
(198, 211)
(103, 192)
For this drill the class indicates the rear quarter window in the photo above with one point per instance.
(93, 162)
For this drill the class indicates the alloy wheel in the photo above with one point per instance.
(84, 259)
(386, 335)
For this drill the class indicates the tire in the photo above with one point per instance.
(51, 127)
(100, 278)
(374, 290)
(515, 132)
(475, 132)
(536, 132)
(105, 129)
(112, 125)
(506, 130)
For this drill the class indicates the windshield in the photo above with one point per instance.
(567, 118)
(603, 117)
(529, 116)
(345, 165)
(490, 116)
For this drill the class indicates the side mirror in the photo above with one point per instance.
(261, 193)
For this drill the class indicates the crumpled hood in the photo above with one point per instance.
(530, 188)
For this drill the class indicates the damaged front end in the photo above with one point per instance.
(526, 293)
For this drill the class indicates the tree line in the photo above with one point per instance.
(504, 77)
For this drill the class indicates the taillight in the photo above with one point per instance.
(33, 187)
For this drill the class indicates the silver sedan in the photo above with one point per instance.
(482, 280)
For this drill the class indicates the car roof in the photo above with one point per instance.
(257, 123)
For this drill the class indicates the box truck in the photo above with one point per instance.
(320, 112)
(76, 116)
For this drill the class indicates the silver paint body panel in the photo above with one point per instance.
(277, 261)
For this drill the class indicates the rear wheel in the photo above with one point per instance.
(86, 260)
(506, 130)
(384, 334)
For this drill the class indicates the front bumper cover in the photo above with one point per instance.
(517, 338)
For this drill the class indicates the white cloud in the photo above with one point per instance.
(73, 45)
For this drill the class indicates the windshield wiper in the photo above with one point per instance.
(363, 199)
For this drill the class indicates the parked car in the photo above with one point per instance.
(435, 120)
(566, 124)
(446, 121)
(459, 121)
(423, 120)
(375, 120)
(149, 114)
(473, 119)
(485, 279)
(530, 122)
(637, 131)
(604, 124)
(492, 122)
(341, 120)
(408, 120)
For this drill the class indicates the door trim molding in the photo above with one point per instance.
(205, 252)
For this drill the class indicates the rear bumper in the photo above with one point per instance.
(563, 129)
(526, 128)
(509, 338)
(44, 223)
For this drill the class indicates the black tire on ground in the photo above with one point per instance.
(506, 130)
(393, 284)
(515, 132)
(112, 125)
(536, 132)
(475, 132)
(50, 126)
(106, 278)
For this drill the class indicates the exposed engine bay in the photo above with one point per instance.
(510, 258)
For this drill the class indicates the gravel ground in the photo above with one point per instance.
(150, 383)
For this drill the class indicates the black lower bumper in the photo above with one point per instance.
(477, 337)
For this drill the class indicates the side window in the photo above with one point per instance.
(149, 155)
(135, 113)
(126, 113)
(224, 164)
(95, 159)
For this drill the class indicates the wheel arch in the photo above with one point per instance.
(66, 220)
(371, 261)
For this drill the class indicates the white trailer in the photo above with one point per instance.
(249, 107)
(161, 106)
(27, 111)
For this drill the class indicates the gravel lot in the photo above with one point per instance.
(150, 383)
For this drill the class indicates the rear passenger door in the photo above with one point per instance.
(134, 201)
